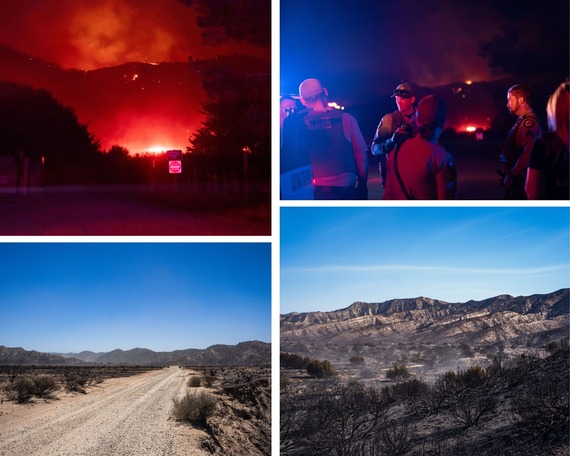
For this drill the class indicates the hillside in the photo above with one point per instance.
(18, 356)
(131, 104)
(423, 377)
(522, 319)
(135, 105)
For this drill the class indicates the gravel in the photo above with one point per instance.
(128, 417)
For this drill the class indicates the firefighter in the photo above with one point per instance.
(520, 141)
(395, 127)
(333, 143)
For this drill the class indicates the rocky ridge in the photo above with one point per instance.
(504, 318)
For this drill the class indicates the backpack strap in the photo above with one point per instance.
(396, 150)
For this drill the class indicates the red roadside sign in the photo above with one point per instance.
(175, 167)
(174, 161)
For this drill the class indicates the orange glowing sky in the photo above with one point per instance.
(137, 111)
(90, 34)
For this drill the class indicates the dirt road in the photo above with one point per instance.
(125, 416)
(127, 211)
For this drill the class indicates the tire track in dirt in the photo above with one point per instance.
(129, 419)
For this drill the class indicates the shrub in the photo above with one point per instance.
(542, 397)
(398, 373)
(357, 359)
(409, 390)
(44, 386)
(75, 382)
(20, 390)
(466, 351)
(209, 380)
(395, 440)
(321, 369)
(194, 408)
(195, 381)
(473, 376)
(335, 422)
(293, 361)
(284, 382)
(469, 395)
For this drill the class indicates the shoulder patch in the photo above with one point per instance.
(529, 123)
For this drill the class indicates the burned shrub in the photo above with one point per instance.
(357, 359)
(542, 399)
(398, 373)
(410, 390)
(337, 421)
(469, 396)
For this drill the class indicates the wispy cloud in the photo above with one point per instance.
(423, 269)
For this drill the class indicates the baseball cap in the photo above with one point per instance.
(431, 110)
(310, 88)
(404, 90)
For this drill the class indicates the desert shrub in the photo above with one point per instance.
(321, 369)
(398, 373)
(195, 381)
(466, 351)
(472, 377)
(209, 380)
(357, 359)
(292, 361)
(194, 408)
(44, 385)
(20, 390)
(75, 382)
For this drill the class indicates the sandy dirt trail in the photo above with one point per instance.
(128, 416)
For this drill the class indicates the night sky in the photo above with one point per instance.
(361, 50)
(87, 34)
(72, 47)
(428, 42)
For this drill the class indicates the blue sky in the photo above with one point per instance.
(332, 257)
(69, 297)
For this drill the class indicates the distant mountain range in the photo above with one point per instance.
(523, 319)
(244, 353)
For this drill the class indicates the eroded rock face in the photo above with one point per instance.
(502, 318)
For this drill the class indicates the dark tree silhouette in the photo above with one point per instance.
(244, 20)
(236, 133)
(33, 122)
(535, 46)
(118, 152)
